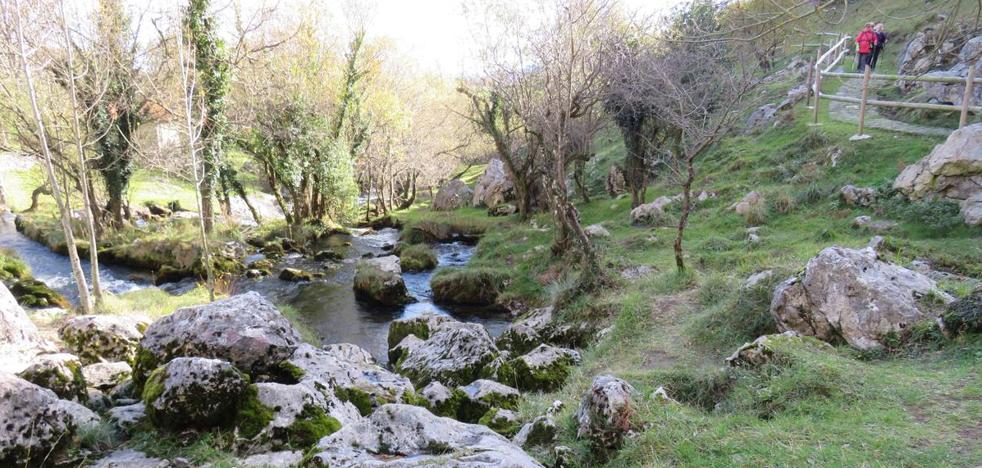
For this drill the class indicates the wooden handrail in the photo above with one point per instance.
(908, 105)
(927, 79)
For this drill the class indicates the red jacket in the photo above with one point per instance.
(866, 41)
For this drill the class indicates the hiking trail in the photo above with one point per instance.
(849, 112)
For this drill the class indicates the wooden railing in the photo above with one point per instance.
(826, 62)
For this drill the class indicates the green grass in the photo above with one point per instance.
(152, 303)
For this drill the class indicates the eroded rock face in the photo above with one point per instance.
(19, 338)
(852, 295)
(544, 368)
(35, 421)
(455, 353)
(380, 280)
(97, 338)
(525, 334)
(952, 170)
(452, 195)
(606, 411)
(404, 436)
(352, 374)
(193, 392)
(494, 187)
(60, 373)
(245, 330)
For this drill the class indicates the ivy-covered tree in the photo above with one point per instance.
(212, 65)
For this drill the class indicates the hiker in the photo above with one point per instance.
(865, 41)
(881, 40)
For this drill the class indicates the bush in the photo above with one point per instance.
(782, 202)
(417, 257)
(964, 315)
(810, 195)
(938, 215)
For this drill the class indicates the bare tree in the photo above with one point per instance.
(66, 219)
(87, 209)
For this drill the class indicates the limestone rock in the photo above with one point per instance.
(873, 225)
(128, 416)
(380, 280)
(759, 351)
(96, 338)
(60, 373)
(273, 459)
(481, 395)
(405, 436)
(193, 392)
(971, 209)
(526, 333)
(952, 170)
(35, 421)
(596, 230)
(494, 187)
(130, 458)
(455, 353)
(352, 374)
(440, 399)
(106, 375)
(404, 348)
(539, 431)
(851, 294)
(502, 421)
(747, 203)
(544, 368)
(245, 330)
(606, 411)
(503, 209)
(452, 195)
(421, 326)
(857, 196)
(651, 213)
(295, 274)
(301, 414)
(19, 337)
(756, 279)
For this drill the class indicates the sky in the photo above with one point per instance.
(434, 33)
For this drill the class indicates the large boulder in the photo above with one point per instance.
(35, 421)
(60, 373)
(406, 436)
(494, 187)
(380, 280)
(106, 375)
(452, 195)
(467, 286)
(193, 392)
(952, 170)
(97, 338)
(544, 368)
(276, 416)
(245, 330)
(353, 375)
(525, 334)
(455, 353)
(606, 412)
(651, 213)
(852, 295)
(19, 337)
(420, 325)
(481, 395)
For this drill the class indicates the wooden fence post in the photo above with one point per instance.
(967, 98)
(808, 84)
(862, 102)
(818, 82)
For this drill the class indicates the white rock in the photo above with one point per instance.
(494, 187)
(606, 411)
(96, 338)
(129, 458)
(193, 392)
(596, 230)
(106, 375)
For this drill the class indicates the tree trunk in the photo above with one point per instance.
(579, 178)
(66, 223)
(684, 217)
(83, 170)
(35, 197)
(635, 170)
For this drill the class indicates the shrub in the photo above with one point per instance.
(782, 202)
(811, 194)
(964, 315)
(938, 215)
(756, 215)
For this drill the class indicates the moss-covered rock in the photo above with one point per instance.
(33, 293)
(545, 368)
(502, 421)
(98, 338)
(294, 274)
(481, 395)
(420, 325)
(280, 416)
(469, 286)
(441, 400)
(60, 373)
(252, 415)
(417, 257)
(12, 267)
(380, 280)
(193, 392)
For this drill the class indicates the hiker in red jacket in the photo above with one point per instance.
(866, 41)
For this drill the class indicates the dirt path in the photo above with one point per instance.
(848, 112)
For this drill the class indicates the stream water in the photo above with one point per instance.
(54, 269)
(329, 305)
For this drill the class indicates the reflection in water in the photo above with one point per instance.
(330, 308)
(55, 270)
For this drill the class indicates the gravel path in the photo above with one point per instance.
(848, 112)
